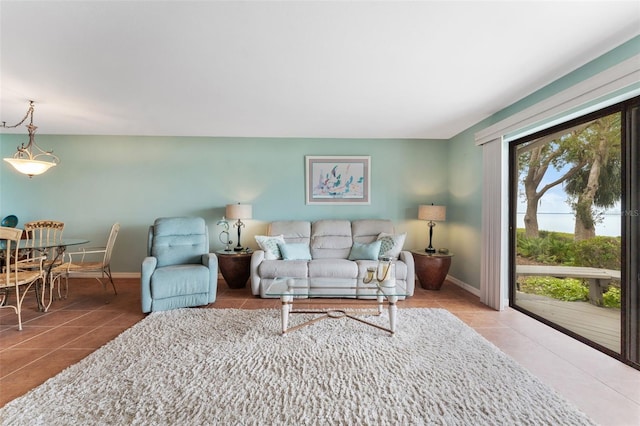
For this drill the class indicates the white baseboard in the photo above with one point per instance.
(471, 289)
(450, 278)
(130, 275)
(126, 275)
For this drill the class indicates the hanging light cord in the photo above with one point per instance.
(29, 113)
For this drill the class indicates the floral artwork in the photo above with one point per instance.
(337, 180)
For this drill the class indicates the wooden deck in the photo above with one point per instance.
(601, 325)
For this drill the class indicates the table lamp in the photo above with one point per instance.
(431, 213)
(238, 211)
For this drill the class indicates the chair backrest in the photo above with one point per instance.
(10, 238)
(43, 231)
(110, 243)
(178, 240)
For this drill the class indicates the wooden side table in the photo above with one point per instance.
(431, 268)
(235, 267)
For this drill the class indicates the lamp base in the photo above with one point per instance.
(430, 250)
(238, 248)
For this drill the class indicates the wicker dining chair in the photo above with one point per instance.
(87, 262)
(12, 273)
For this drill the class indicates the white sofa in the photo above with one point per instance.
(329, 245)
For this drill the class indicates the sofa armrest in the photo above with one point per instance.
(210, 260)
(407, 258)
(148, 266)
(256, 259)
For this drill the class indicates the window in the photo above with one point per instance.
(574, 228)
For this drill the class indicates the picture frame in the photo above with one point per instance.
(338, 179)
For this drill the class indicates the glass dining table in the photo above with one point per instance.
(60, 247)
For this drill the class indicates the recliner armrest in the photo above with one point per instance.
(148, 266)
(210, 260)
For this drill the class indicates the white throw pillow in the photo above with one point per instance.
(270, 246)
(391, 245)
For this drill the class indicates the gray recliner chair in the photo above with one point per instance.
(179, 271)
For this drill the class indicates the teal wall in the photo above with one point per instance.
(133, 180)
(464, 210)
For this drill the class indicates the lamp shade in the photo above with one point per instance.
(431, 212)
(238, 211)
(29, 167)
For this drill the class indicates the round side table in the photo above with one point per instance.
(235, 267)
(431, 268)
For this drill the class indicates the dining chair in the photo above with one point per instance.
(42, 232)
(12, 273)
(39, 233)
(87, 262)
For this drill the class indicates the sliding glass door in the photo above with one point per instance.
(631, 227)
(574, 228)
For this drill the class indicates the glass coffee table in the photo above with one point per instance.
(291, 290)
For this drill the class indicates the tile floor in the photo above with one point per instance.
(602, 387)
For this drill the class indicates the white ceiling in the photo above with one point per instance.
(346, 69)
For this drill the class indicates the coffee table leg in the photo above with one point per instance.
(393, 309)
(286, 299)
(380, 299)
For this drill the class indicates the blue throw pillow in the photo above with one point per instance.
(361, 251)
(295, 251)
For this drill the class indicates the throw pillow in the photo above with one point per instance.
(391, 244)
(270, 246)
(360, 251)
(295, 251)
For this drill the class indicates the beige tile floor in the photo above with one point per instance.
(602, 387)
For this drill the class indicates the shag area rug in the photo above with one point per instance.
(232, 367)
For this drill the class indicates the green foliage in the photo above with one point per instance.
(568, 289)
(557, 248)
(611, 298)
(598, 252)
(600, 139)
(549, 247)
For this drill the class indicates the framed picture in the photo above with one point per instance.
(338, 180)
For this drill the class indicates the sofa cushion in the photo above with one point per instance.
(295, 251)
(283, 268)
(177, 280)
(270, 246)
(341, 268)
(293, 231)
(331, 239)
(367, 230)
(391, 244)
(369, 251)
